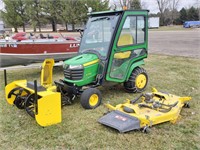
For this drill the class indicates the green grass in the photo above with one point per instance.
(79, 128)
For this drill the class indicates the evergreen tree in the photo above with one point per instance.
(183, 15)
(10, 15)
(135, 4)
(193, 14)
(51, 9)
(96, 5)
(75, 11)
(21, 9)
(35, 12)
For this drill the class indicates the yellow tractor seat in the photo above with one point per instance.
(122, 55)
(124, 39)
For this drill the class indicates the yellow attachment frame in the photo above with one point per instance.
(49, 109)
(149, 115)
(48, 102)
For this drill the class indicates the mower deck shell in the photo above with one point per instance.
(144, 113)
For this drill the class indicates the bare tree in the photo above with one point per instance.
(124, 3)
(162, 6)
(129, 4)
(144, 5)
(173, 5)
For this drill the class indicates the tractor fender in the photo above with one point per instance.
(133, 66)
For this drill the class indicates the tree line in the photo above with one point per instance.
(19, 13)
(179, 17)
(169, 14)
(37, 13)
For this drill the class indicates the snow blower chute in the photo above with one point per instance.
(154, 108)
(41, 101)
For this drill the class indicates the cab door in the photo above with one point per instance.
(130, 45)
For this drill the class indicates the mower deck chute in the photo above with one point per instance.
(41, 101)
(120, 121)
(154, 108)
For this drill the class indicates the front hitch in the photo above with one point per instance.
(68, 92)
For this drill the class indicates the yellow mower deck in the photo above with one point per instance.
(154, 108)
(47, 108)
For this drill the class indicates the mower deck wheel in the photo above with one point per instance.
(91, 98)
(186, 105)
(146, 129)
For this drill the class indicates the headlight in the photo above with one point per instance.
(65, 66)
(75, 66)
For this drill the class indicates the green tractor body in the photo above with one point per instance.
(112, 48)
(81, 70)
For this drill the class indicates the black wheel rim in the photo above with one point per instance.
(19, 98)
(30, 106)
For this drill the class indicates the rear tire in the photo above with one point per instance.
(137, 81)
(91, 98)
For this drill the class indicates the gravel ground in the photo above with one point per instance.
(177, 43)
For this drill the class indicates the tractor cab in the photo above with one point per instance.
(112, 48)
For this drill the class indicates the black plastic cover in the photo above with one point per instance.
(120, 121)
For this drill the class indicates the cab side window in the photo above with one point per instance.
(133, 31)
(140, 29)
(128, 32)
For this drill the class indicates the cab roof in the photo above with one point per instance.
(114, 12)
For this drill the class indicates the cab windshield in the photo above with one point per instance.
(98, 34)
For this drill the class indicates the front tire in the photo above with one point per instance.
(137, 81)
(91, 98)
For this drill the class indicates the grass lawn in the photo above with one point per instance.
(79, 128)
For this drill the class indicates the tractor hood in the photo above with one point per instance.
(83, 59)
(81, 70)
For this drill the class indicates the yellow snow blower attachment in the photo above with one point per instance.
(41, 102)
(154, 108)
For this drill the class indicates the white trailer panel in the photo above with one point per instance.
(154, 22)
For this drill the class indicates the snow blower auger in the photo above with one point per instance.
(41, 101)
(154, 108)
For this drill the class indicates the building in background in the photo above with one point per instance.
(1, 27)
(154, 22)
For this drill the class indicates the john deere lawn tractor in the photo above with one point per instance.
(113, 47)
